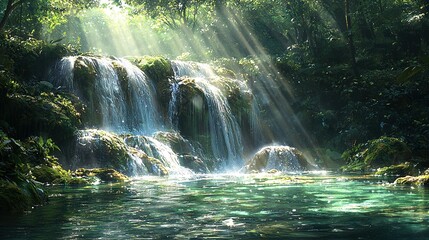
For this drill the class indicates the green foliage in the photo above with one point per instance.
(381, 152)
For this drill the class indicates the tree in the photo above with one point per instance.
(37, 12)
(350, 40)
(10, 7)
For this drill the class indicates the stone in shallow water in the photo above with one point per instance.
(422, 180)
(103, 174)
(282, 158)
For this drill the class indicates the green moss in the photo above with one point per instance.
(396, 170)
(376, 153)
(101, 174)
(159, 70)
(84, 77)
(53, 174)
(422, 180)
(49, 113)
(101, 149)
(193, 114)
(153, 165)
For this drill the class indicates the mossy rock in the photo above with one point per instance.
(422, 180)
(193, 114)
(102, 174)
(282, 158)
(53, 174)
(160, 71)
(18, 197)
(47, 113)
(100, 149)
(84, 78)
(153, 165)
(382, 152)
(238, 95)
(402, 169)
(194, 163)
(177, 143)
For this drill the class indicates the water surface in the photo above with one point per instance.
(229, 207)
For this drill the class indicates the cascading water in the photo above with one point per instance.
(172, 105)
(225, 135)
(120, 100)
(124, 102)
(156, 149)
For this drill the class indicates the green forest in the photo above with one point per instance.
(345, 83)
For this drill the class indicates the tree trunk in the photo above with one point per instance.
(11, 5)
(350, 40)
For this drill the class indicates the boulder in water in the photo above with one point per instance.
(100, 174)
(194, 163)
(422, 180)
(282, 158)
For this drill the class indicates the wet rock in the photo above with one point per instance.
(100, 149)
(282, 158)
(177, 143)
(160, 71)
(194, 163)
(100, 174)
(422, 180)
(402, 169)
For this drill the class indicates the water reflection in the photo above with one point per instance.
(229, 207)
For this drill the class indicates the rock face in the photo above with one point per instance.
(282, 158)
(100, 149)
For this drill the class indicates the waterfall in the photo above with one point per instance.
(156, 149)
(124, 100)
(172, 105)
(121, 106)
(225, 135)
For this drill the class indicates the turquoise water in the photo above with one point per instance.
(229, 207)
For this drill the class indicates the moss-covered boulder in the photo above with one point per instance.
(282, 158)
(100, 174)
(125, 153)
(100, 149)
(378, 153)
(422, 180)
(402, 169)
(84, 81)
(160, 71)
(177, 143)
(47, 114)
(192, 114)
